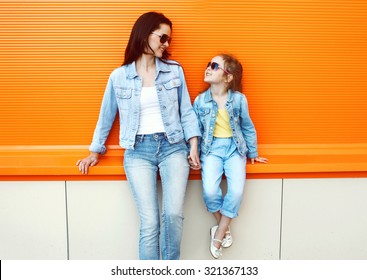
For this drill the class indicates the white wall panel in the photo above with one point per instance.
(324, 219)
(32, 220)
(103, 221)
(321, 219)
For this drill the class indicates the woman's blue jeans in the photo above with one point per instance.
(153, 153)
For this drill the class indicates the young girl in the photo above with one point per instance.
(228, 137)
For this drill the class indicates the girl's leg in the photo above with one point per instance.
(212, 169)
(223, 227)
(217, 216)
(211, 175)
(235, 171)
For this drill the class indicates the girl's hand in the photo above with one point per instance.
(84, 164)
(259, 159)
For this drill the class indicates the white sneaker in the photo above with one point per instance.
(216, 253)
(227, 240)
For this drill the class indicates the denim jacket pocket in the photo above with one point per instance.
(171, 88)
(203, 112)
(123, 96)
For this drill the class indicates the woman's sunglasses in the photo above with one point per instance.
(164, 38)
(215, 66)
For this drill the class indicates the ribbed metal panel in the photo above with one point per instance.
(305, 64)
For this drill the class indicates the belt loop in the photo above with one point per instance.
(142, 138)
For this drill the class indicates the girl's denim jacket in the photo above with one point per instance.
(243, 130)
(122, 95)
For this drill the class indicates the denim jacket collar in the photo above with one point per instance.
(160, 67)
(208, 96)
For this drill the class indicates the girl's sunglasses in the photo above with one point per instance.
(215, 66)
(164, 38)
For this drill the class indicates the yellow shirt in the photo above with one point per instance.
(222, 128)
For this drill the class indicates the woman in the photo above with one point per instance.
(156, 122)
(229, 136)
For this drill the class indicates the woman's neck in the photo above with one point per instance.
(145, 67)
(145, 63)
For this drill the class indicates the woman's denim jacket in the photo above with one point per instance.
(243, 130)
(122, 95)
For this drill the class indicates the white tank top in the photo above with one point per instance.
(150, 113)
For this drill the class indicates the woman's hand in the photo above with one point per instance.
(84, 164)
(259, 159)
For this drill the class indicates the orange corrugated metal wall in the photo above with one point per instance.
(305, 64)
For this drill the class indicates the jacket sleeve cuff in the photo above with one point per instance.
(252, 155)
(96, 148)
(191, 133)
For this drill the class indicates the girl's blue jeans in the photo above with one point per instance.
(223, 158)
(153, 153)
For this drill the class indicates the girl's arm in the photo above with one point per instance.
(249, 133)
(248, 129)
